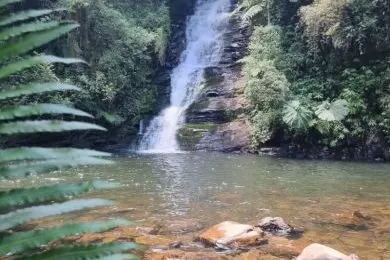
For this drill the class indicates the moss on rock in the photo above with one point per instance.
(190, 134)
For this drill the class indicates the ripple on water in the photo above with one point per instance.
(211, 188)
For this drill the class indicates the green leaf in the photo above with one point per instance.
(297, 116)
(7, 2)
(24, 241)
(25, 15)
(22, 216)
(334, 111)
(39, 153)
(26, 43)
(26, 28)
(27, 169)
(38, 126)
(96, 251)
(25, 197)
(33, 61)
(36, 88)
(39, 109)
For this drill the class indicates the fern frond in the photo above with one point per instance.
(24, 241)
(27, 169)
(26, 28)
(39, 153)
(39, 109)
(4, 3)
(36, 88)
(25, 15)
(96, 251)
(33, 61)
(22, 216)
(27, 197)
(28, 42)
(52, 126)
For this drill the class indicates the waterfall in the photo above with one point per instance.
(204, 47)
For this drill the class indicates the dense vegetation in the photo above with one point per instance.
(318, 76)
(124, 44)
(317, 71)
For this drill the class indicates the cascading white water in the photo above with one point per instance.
(205, 41)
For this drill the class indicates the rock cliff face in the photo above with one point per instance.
(216, 122)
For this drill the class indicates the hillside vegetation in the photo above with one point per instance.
(318, 76)
(124, 45)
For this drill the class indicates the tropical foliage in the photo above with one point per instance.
(334, 57)
(266, 86)
(21, 32)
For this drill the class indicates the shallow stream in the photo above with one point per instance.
(213, 187)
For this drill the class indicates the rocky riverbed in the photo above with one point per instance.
(270, 239)
(174, 199)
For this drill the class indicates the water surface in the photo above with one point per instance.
(213, 187)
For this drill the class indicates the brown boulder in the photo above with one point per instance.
(321, 252)
(280, 246)
(277, 226)
(228, 235)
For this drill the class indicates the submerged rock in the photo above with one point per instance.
(181, 226)
(182, 255)
(232, 235)
(282, 247)
(153, 240)
(256, 255)
(355, 220)
(277, 226)
(321, 252)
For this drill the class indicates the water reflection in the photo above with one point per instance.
(175, 189)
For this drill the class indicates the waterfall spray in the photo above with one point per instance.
(205, 42)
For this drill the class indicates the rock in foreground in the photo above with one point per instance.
(277, 226)
(230, 235)
(321, 252)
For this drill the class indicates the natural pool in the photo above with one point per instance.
(213, 187)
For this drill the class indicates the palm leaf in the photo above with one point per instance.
(26, 197)
(33, 61)
(39, 109)
(297, 116)
(83, 252)
(53, 126)
(24, 241)
(334, 111)
(26, 43)
(39, 153)
(27, 169)
(36, 88)
(25, 15)
(26, 28)
(22, 216)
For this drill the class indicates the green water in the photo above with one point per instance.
(213, 187)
